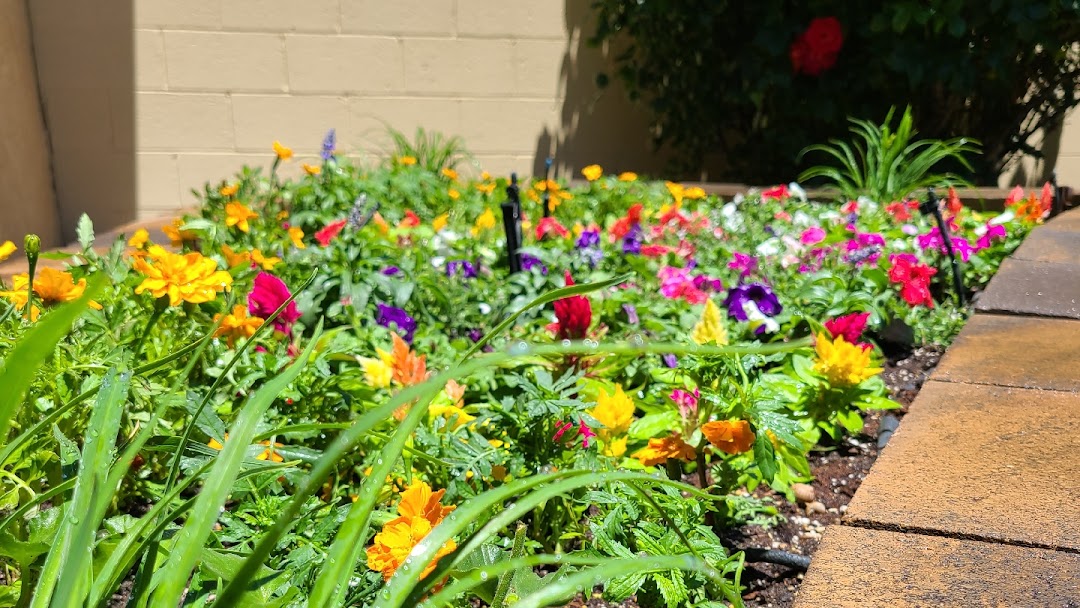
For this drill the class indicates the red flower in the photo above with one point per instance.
(330, 232)
(913, 277)
(573, 315)
(778, 192)
(850, 207)
(953, 203)
(411, 220)
(622, 227)
(549, 225)
(849, 326)
(902, 211)
(815, 50)
(654, 251)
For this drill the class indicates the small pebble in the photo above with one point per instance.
(803, 492)
(815, 507)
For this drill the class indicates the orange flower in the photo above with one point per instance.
(660, 451)
(267, 263)
(694, 193)
(311, 169)
(183, 278)
(486, 188)
(51, 285)
(6, 249)
(440, 222)
(283, 152)
(419, 512)
(237, 325)
(408, 161)
(235, 258)
(137, 240)
(237, 214)
(178, 236)
(592, 172)
(409, 368)
(454, 194)
(731, 436)
(628, 176)
(296, 235)
(229, 191)
(449, 174)
(269, 453)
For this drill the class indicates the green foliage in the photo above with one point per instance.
(431, 150)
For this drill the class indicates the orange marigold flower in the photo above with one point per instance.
(238, 214)
(296, 235)
(418, 513)
(51, 285)
(269, 453)
(283, 152)
(229, 191)
(177, 236)
(454, 194)
(266, 262)
(408, 161)
(239, 324)
(235, 258)
(628, 176)
(311, 169)
(440, 222)
(449, 174)
(138, 239)
(486, 187)
(660, 451)
(731, 436)
(183, 278)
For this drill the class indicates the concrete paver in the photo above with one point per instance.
(1026, 352)
(1044, 289)
(976, 461)
(859, 568)
(1050, 244)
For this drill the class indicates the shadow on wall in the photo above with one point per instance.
(597, 125)
(85, 64)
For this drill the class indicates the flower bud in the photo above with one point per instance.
(32, 245)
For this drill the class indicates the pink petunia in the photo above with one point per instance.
(812, 235)
(268, 293)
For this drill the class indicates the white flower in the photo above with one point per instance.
(757, 319)
(485, 308)
(801, 218)
(796, 190)
(1004, 218)
(769, 247)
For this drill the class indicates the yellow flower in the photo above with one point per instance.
(418, 513)
(841, 363)
(237, 325)
(454, 194)
(408, 161)
(694, 193)
(282, 215)
(660, 451)
(234, 258)
(311, 169)
(486, 221)
(677, 192)
(183, 278)
(733, 437)
(269, 453)
(51, 285)
(486, 187)
(440, 222)
(238, 214)
(283, 152)
(229, 191)
(451, 412)
(710, 329)
(616, 447)
(378, 372)
(449, 174)
(614, 411)
(177, 236)
(137, 240)
(6, 250)
(628, 176)
(485, 176)
(267, 263)
(296, 235)
(592, 172)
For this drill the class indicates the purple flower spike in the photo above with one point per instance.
(391, 318)
(328, 144)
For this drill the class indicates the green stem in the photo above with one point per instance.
(503, 588)
(158, 311)
(30, 287)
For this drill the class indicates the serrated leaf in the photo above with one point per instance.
(765, 457)
(85, 231)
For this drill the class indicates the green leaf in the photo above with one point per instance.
(765, 456)
(851, 420)
(653, 425)
(85, 232)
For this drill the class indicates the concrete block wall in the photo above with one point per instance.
(217, 81)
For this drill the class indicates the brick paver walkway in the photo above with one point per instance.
(976, 499)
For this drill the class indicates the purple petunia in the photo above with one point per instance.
(588, 238)
(391, 317)
(758, 294)
(465, 267)
(528, 262)
(632, 240)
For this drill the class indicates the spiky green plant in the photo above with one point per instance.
(431, 149)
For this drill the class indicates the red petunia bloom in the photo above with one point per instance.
(850, 326)
(953, 203)
(573, 315)
(548, 226)
(778, 192)
(902, 211)
(815, 50)
(655, 251)
(330, 232)
(913, 277)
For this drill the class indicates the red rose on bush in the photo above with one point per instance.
(815, 50)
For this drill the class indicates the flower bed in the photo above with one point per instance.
(376, 410)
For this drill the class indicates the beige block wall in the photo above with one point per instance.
(217, 81)
(26, 195)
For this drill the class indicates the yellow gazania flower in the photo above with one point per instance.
(486, 221)
(454, 194)
(628, 176)
(267, 263)
(235, 258)
(486, 187)
(183, 278)
(710, 329)
(592, 172)
(239, 324)
(283, 152)
(137, 240)
(449, 174)
(677, 192)
(615, 411)
(440, 222)
(660, 451)
(238, 214)
(296, 235)
(407, 161)
(229, 191)
(177, 236)
(694, 193)
(51, 285)
(311, 169)
(841, 363)
(7, 249)
(418, 513)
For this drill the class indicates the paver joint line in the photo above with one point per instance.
(887, 527)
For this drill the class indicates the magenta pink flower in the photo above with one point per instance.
(742, 262)
(687, 402)
(267, 295)
(993, 231)
(812, 235)
(676, 283)
(850, 326)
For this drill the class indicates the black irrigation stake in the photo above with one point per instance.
(547, 190)
(1059, 196)
(511, 210)
(931, 207)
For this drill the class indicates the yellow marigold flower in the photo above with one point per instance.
(238, 214)
(283, 152)
(628, 176)
(408, 161)
(177, 236)
(215, 444)
(282, 215)
(296, 235)
(660, 451)
(454, 194)
(51, 285)
(486, 221)
(235, 258)
(267, 263)
(440, 222)
(7, 249)
(843, 364)
(311, 169)
(137, 240)
(486, 187)
(733, 437)
(229, 191)
(694, 193)
(615, 411)
(485, 176)
(710, 329)
(239, 324)
(449, 174)
(418, 513)
(183, 278)
(677, 192)
(592, 172)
